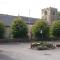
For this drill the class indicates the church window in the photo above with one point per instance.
(45, 12)
(53, 13)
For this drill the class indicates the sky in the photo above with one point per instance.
(23, 7)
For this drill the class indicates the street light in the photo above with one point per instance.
(29, 16)
(29, 26)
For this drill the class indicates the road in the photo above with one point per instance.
(22, 51)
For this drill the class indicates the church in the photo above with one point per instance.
(8, 19)
(48, 14)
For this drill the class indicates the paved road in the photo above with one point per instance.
(22, 51)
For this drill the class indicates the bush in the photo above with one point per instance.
(19, 28)
(40, 30)
(55, 29)
(2, 30)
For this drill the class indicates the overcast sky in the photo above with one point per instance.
(21, 7)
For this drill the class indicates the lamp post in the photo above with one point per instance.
(29, 16)
(29, 26)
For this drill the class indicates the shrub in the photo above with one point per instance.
(19, 28)
(40, 30)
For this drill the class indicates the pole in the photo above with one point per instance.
(29, 16)
(29, 25)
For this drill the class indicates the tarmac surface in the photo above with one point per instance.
(22, 51)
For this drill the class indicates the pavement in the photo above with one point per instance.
(22, 51)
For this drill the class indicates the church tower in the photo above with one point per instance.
(49, 14)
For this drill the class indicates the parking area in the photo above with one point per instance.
(22, 51)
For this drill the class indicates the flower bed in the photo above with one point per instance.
(42, 45)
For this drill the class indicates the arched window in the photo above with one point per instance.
(53, 13)
(45, 12)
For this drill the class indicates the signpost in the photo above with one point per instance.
(41, 33)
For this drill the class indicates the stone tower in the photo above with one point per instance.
(49, 14)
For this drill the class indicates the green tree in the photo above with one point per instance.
(19, 28)
(55, 29)
(40, 29)
(2, 30)
(59, 13)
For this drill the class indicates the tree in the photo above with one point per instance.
(2, 30)
(58, 13)
(19, 28)
(40, 29)
(55, 29)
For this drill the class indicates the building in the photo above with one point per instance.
(50, 14)
(8, 19)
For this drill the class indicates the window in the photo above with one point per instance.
(45, 12)
(53, 13)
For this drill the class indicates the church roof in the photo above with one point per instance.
(8, 19)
